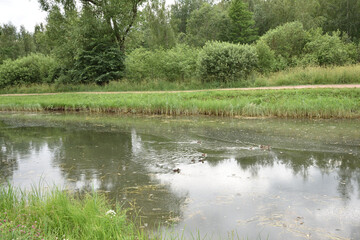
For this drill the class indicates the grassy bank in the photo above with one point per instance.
(295, 76)
(304, 103)
(59, 215)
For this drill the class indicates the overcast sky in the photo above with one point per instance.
(21, 12)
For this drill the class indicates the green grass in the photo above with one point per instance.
(60, 215)
(293, 76)
(299, 103)
(312, 76)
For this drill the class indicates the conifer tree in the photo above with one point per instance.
(242, 28)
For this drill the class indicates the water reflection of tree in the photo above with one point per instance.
(17, 142)
(8, 163)
(300, 162)
(86, 157)
(106, 158)
(253, 164)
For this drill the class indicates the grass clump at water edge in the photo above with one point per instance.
(61, 215)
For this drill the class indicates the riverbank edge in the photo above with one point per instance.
(281, 103)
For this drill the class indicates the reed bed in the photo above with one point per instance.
(291, 103)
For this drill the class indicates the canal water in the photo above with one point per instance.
(213, 177)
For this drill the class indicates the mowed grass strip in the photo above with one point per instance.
(292, 103)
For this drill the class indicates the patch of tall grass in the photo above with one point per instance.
(59, 214)
(311, 76)
(292, 103)
(293, 76)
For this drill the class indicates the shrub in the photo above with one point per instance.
(328, 49)
(266, 57)
(178, 63)
(101, 64)
(35, 68)
(221, 61)
(287, 40)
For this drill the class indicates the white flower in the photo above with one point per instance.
(111, 212)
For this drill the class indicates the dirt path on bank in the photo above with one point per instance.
(202, 90)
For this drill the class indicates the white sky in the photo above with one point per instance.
(21, 12)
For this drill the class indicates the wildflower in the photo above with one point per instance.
(111, 212)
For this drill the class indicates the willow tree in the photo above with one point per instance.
(119, 15)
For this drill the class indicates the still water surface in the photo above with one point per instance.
(306, 186)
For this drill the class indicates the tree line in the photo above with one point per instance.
(96, 41)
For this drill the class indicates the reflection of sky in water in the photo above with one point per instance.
(287, 193)
(36, 167)
(275, 201)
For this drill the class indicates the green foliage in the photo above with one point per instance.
(241, 23)
(223, 62)
(158, 31)
(14, 44)
(180, 12)
(341, 15)
(41, 40)
(329, 50)
(118, 17)
(208, 23)
(62, 37)
(266, 57)
(178, 63)
(287, 41)
(35, 68)
(8, 47)
(271, 14)
(99, 65)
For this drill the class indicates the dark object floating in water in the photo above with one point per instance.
(193, 160)
(201, 160)
(177, 170)
(265, 147)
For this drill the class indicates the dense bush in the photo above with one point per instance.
(221, 61)
(35, 68)
(266, 57)
(328, 49)
(178, 63)
(287, 41)
(101, 64)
